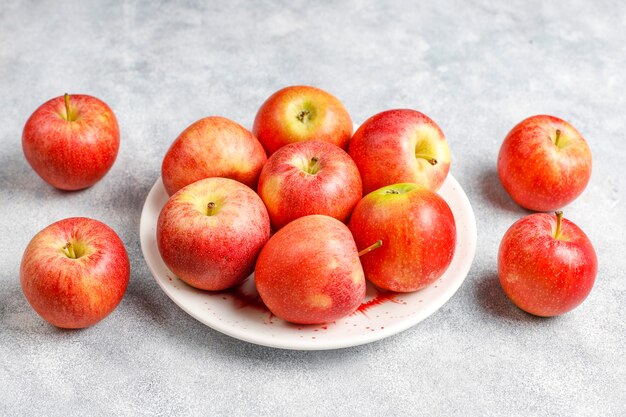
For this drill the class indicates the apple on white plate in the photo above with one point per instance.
(307, 178)
(213, 147)
(302, 113)
(418, 234)
(309, 271)
(400, 146)
(210, 233)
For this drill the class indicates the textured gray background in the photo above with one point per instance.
(476, 69)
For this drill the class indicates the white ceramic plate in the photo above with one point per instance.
(240, 313)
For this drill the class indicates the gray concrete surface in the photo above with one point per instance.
(477, 68)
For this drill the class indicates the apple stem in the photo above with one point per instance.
(559, 217)
(66, 97)
(430, 159)
(210, 208)
(68, 249)
(314, 165)
(558, 136)
(370, 248)
(392, 191)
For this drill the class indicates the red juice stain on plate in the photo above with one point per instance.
(380, 298)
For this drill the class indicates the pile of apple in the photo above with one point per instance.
(310, 173)
(313, 209)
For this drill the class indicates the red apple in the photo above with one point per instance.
(418, 235)
(71, 141)
(213, 147)
(309, 271)
(301, 113)
(399, 146)
(75, 272)
(209, 233)
(546, 264)
(309, 178)
(544, 163)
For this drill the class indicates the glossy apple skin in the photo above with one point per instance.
(418, 234)
(75, 293)
(71, 155)
(213, 147)
(390, 148)
(212, 252)
(543, 275)
(538, 174)
(289, 191)
(280, 119)
(309, 271)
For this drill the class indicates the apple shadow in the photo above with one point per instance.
(492, 298)
(18, 178)
(146, 298)
(19, 320)
(493, 191)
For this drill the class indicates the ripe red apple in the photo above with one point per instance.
(75, 272)
(544, 163)
(209, 233)
(212, 147)
(400, 146)
(71, 141)
(302, 113)
(309, 271)
(546, 264)
(418, 234)
(309, 178)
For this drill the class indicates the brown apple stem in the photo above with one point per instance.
(428, 158)
(370, 248)
(558, 136)
(559, 217)
(68, 249)
(66, 97)
(210, 208)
